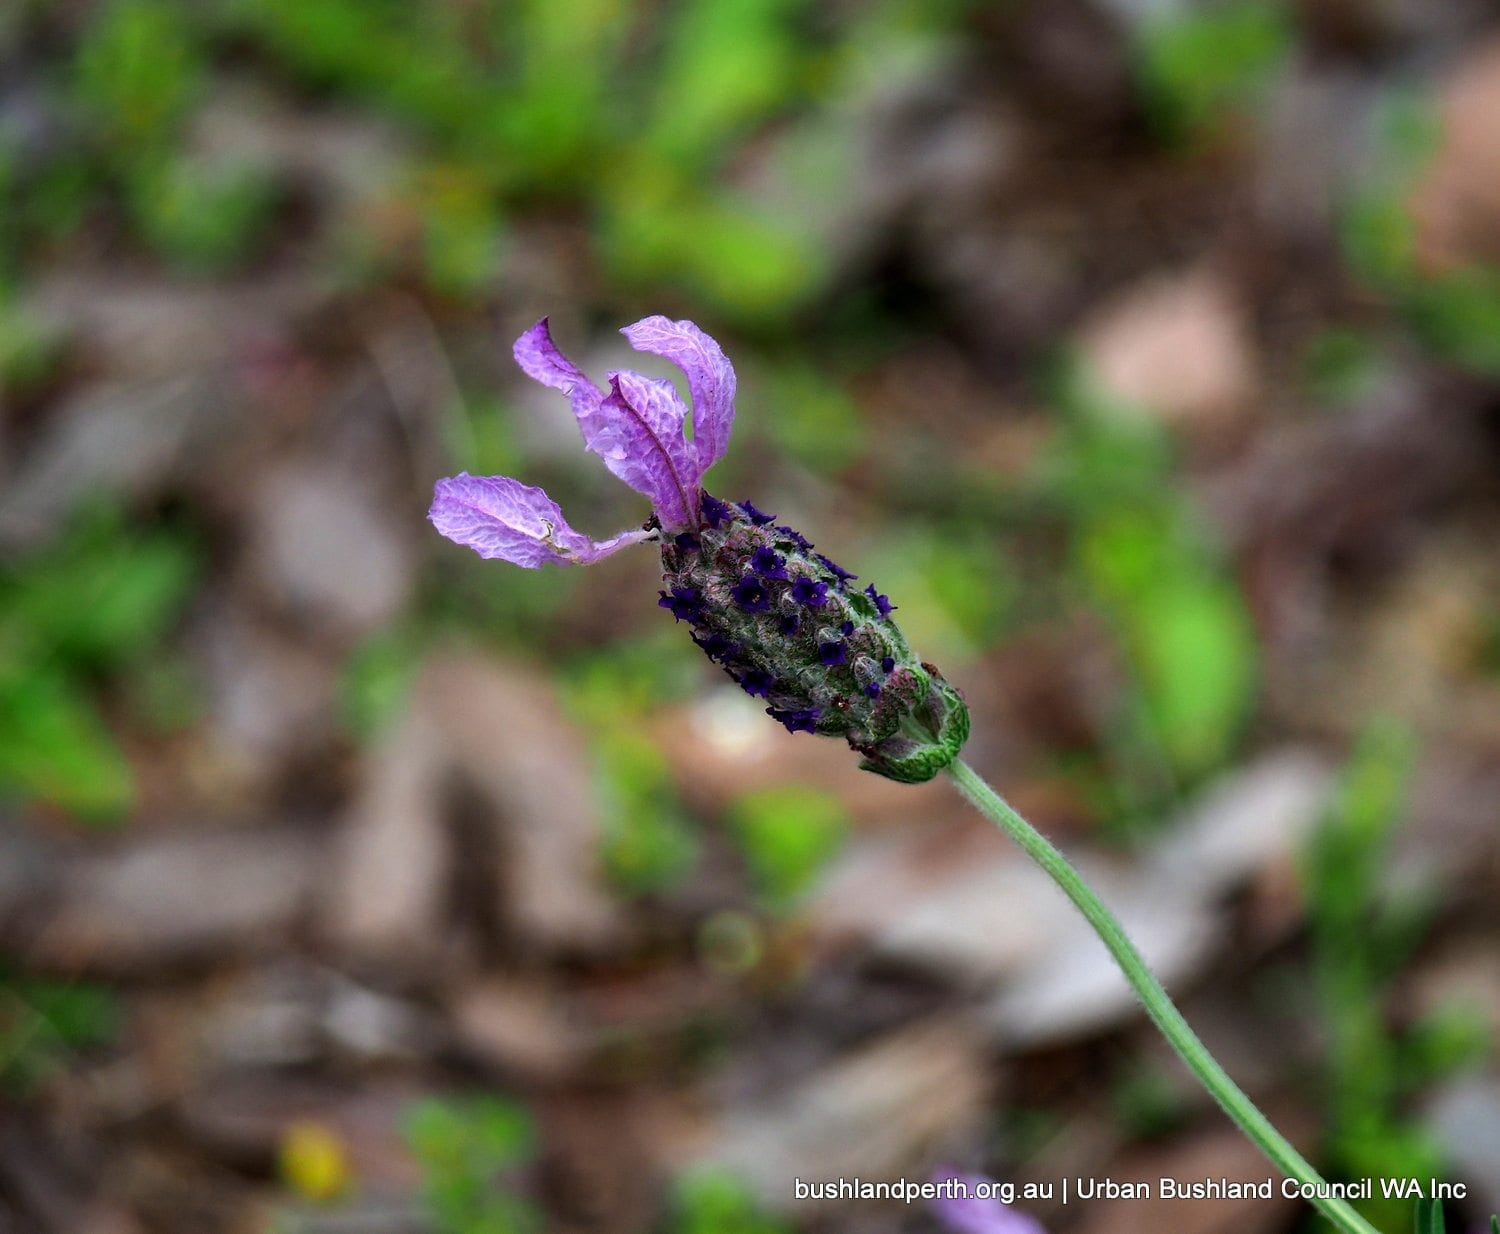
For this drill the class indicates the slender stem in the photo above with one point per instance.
(1158, 1005)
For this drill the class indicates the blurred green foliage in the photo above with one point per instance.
(1199, 65)
(787, 833)
(631, 116)
(200, 216)
(377, 679)
(649, 844)
(30, 353)
(500, 606)
(97, 603)
(630, 110)
(956, 591)
(713, 1202)
(1342, 365)
(811, 419)
(1455, 310)
(469, 1150)
(44, 1023)
(1148, 1102)
(1144, 559)
(138, 72)
(1364, 934)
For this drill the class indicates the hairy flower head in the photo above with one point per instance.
(779, 618)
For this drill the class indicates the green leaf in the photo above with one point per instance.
(1380, 238)
(462, 230)
(1457, 314)
(203, 217)
(104, 596)
(30, 350)
(1196, 65)
(1428, 1217)
(1342, 365)
(714, 1202)
(787, 834)
(648, 844)
(482, 1133)
(749, 265)
(1186, 632)
(42, 1023)
(55, 749)
(726, 66)
(1194, 651)
(811, 418)
(377, 679)
(465, 1147)
(137, 72)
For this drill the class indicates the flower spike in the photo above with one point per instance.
(761, 604)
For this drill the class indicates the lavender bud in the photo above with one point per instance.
(826, 658)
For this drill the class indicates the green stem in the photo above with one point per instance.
(1158, 1005)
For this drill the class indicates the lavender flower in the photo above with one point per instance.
(968, 1214)
(743, 583)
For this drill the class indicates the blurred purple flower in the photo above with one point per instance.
(971, 1215)
(637, 427)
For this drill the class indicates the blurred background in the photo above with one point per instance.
(1146, 353)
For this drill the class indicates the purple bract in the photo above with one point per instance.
(637, 426)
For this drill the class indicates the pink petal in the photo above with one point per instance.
(500, 517)
(637, 429)
(640, 437)
(541, 360)
(710, 380)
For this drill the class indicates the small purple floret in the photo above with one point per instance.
(757, 681)
(882, 603)
(716, 647)
(806, 591)
(686, 541)
(847, 627)
(837, 570)
(768, 563)
(790, 624)
(802, 721)
(796, 537)
(751, 595)
(832, 654)
(758, 517)
(872, 690)
(716, 512)
(888, 665)
(685, 603)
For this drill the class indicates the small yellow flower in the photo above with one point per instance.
(313, 1162)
